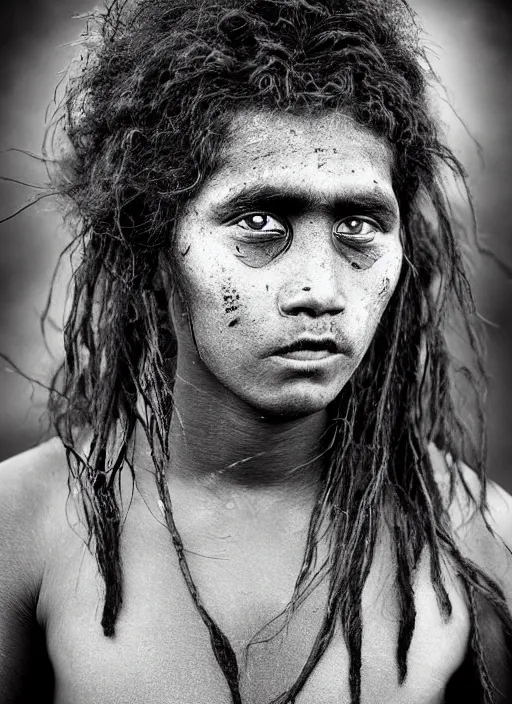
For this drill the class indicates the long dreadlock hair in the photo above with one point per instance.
(146, 116)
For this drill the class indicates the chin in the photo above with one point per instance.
(298, 403)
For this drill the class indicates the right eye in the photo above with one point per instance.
(259, 238)
(261, 222)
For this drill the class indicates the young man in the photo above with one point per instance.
(257, 494)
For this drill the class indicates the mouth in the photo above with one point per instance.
(309, 349)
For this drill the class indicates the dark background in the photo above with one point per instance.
(470, 42)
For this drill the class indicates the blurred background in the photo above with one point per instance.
(471, 50)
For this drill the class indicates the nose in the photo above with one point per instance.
(314, 287)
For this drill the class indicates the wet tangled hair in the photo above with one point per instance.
(146, 116)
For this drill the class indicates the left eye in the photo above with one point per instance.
(356, 229)
(261, 222)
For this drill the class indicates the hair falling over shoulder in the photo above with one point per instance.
(144, 113)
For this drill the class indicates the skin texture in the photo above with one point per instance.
(161, 652)
(245, 414)
(241, 309)
(244, 439)
(148, 113)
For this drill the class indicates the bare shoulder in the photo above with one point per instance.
(487, 547)
(30, 485)
(30, 477)
(484, 536)
(41, 463)
(499, 504)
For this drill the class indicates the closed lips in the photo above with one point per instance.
(328, 345)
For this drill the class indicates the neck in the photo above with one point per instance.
(218, 439)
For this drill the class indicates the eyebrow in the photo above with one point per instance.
(286, 201)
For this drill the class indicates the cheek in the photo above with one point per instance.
(377, 291)
(386, 276)
(221, 300)
(202, 269)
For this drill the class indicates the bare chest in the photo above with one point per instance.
(161, 652)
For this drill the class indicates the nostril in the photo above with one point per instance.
(309, 312)
(312, 300)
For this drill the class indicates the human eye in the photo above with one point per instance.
(356, 240)
(262, 223)
(260, 237)
(356, 230)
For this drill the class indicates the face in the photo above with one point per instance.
(288, 256)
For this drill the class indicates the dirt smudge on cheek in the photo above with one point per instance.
(231, 298)
(231, 302)
(385, 287)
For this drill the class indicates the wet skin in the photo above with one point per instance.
(297, 235)
(161, 652)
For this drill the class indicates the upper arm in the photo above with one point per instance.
(491, 552)
(23, 494)
(500, 515)
(497, 560)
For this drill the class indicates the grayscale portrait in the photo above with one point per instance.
(255, 341)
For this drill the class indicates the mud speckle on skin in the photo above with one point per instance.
(233, 322)
(231, 298)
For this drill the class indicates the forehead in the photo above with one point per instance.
(322, 153)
